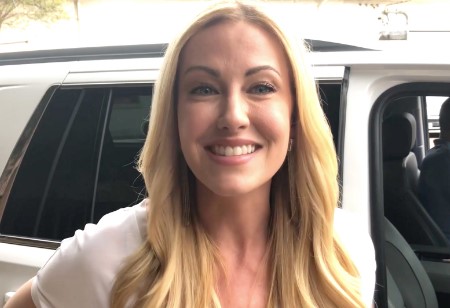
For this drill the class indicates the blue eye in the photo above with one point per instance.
(204, 90)
(263, 88)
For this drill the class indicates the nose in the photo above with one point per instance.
(234, 113)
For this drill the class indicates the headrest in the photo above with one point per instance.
(399, 135)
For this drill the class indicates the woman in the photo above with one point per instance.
(241, 172)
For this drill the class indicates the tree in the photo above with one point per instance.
(14, 11)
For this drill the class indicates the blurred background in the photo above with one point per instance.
(376, 24)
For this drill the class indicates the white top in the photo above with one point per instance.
(82, 270)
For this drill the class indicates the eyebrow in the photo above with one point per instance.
(206, 69)
(257, 69)
(215, 73)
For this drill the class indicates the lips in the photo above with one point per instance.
(233, 150)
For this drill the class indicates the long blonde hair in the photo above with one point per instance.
(175, 266)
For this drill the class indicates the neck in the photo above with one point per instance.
(237, 224)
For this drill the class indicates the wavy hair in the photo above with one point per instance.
(175, 266)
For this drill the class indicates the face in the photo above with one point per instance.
(234, 108)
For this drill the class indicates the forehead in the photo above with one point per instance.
(231, 40)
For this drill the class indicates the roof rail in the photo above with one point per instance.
(127, 51)
(327, 46)
(83, 53)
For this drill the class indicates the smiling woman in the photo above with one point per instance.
(241, 173)
(238, 99)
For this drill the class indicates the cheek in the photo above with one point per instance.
(192, 124)
(274, 123)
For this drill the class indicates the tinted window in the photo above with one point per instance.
(80, 163)
(433, 104)
(119, 184)
(330, 95)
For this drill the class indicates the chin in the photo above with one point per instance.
(229, 191)
(234, 188)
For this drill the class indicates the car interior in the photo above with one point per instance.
(416, 251)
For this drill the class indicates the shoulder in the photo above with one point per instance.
(123, 229)
(116, 234)
(85, 265)
(436, 158)
(355, 238)
(129, 220)
(440, 151)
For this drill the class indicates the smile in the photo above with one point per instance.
(233, 151)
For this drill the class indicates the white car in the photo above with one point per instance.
(72, 122)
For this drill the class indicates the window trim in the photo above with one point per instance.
(341, 132)
(29, 241)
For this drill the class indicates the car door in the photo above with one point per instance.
(378, 88)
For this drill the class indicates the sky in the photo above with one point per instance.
(112, 22)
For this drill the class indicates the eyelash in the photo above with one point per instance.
(197, 90)
(267, 86)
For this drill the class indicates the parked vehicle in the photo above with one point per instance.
(73, 122)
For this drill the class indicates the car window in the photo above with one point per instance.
(406, 130)
(330, 95)
(80, 163)
(119, 184)
(129, 116)
(433, 106)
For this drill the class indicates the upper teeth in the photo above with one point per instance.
(233, 151)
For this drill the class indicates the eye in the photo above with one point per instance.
(204, 90)
(263, 88)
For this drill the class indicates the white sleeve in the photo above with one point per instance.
(356, 239)
(82, 271)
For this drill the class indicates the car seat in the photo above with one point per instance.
(408, 284)
(400, 179)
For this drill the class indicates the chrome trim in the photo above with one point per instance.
(84, 53)
(30, 242)
(107, 84)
